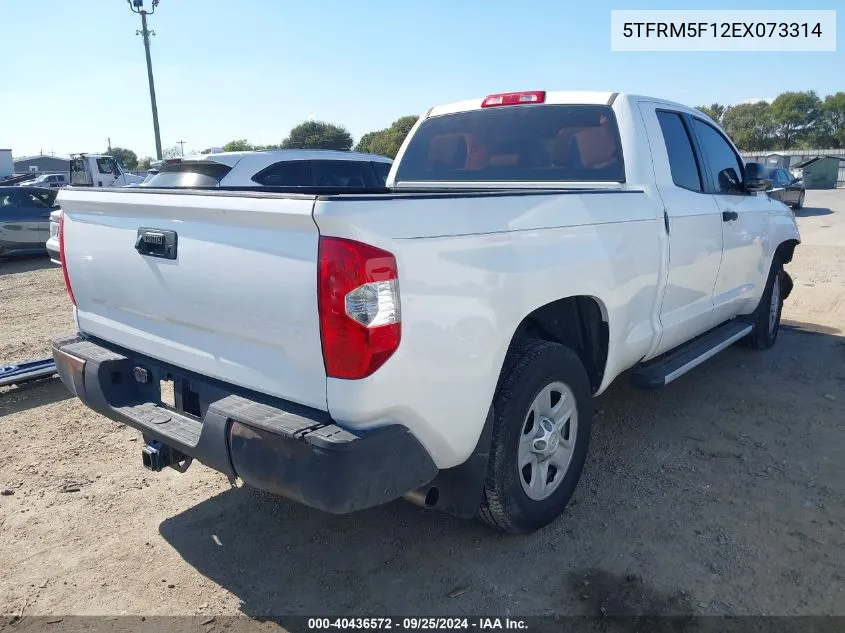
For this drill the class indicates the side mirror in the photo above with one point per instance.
(757, 177)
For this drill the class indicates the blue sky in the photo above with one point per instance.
(74, 71)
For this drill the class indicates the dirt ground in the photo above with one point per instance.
(721, 494)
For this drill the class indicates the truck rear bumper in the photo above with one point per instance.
(275, 445)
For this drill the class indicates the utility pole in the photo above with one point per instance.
(181, 144)
(137, 6)
(109, 139)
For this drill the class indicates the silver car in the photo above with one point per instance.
(25, 219)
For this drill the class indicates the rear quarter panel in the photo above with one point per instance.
(470, 270)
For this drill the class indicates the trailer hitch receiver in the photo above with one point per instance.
(157, 456)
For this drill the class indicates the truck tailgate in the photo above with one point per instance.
(239, 301)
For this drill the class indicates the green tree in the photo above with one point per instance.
(387, 142)
(750, 126)
(144, 163)
(238, 145)
(318, 135)
(795, 114)
(364, 144)
(126, 157)
(714, 111)
(833, 121)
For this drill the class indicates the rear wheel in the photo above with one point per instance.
(541, 426)
(800, 203)
(766, 318)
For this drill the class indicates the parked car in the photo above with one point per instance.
(787, 188)
(275, 168)
(441, 339)
(47, 180)
(25, 219)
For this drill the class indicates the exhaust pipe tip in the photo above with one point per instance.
(425, 497)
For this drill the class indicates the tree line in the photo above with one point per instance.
(306, 135)
(793, 120)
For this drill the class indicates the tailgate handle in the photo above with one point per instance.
(156, 243)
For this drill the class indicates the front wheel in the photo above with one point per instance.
(541, 427)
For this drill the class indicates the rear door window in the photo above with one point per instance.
(291, 173)
(682, 161)
(202, 173)
(520, 143)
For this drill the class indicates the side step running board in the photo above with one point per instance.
(23, 372)
(664, 369)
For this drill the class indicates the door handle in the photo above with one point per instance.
(729, 216)
(156, 243)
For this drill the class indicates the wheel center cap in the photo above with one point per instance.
(546, 442)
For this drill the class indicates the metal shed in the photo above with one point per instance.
(818, 172)
(41, 164)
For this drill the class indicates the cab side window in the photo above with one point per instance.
(105, 165)
(724, 164)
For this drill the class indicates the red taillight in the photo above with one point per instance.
(358, 292)
(514, 98)
(62, 256)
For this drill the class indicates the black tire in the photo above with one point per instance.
(800, 203)
(765, 332)
(529, 368)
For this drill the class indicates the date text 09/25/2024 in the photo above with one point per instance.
(417, 624)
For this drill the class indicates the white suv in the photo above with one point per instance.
(277, 168)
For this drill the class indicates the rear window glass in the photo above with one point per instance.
(519, 143)
(291, 173)
(189, 174)
(382, 170)
(345, 174)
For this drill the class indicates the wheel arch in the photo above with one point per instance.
(580, 322)
(786, 249)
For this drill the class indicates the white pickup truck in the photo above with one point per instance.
(441, 339)
(97, 170)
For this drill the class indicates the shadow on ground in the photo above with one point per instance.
(24, 264)
(691, 494)
(29, 395)
(808, 328)
(808, 212)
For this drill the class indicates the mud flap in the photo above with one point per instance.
(459, 489)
